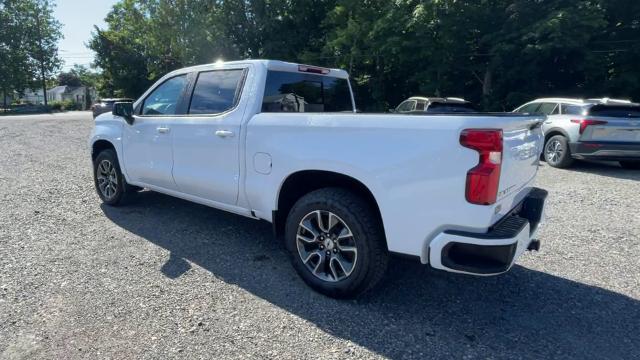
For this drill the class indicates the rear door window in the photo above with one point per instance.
(216, 91)
(547, 108)
(529, 109)
(298, 92)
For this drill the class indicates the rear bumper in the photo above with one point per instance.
(612, 151)
(495, 251)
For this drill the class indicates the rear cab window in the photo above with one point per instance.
(216, 91)
(304, 93)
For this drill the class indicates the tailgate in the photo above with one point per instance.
(522, 144)
(613, 124)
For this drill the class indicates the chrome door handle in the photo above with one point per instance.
(224, 133)
(163, 130)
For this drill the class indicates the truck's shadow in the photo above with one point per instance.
(416, 311)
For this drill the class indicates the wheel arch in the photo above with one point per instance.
(553, 132)
(303, 182)
(100, 145)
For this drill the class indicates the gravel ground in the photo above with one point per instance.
(165, 278)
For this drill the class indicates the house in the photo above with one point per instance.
(31, 96)
(6, 99)
(81, 95)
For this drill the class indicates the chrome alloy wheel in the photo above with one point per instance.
(326, 246)
(107, 179)
(554, 151)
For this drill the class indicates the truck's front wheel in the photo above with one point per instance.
(109, 181)
(336, 242)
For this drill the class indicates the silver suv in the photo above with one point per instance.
(603, 129)
(420, 104)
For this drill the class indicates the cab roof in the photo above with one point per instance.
(268, 64)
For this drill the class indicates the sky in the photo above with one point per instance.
(78, 18)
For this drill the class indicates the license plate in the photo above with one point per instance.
(617, 135)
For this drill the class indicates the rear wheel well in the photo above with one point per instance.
(301, 183)
(548, 136)
(100, 146)
(551, 134)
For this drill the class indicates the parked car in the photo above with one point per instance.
(282, 142)
(106, 105)
(418, 104)
(602, 129)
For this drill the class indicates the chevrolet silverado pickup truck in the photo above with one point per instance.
(282, 142)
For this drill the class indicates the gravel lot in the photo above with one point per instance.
(165, 278)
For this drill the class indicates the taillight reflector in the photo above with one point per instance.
(483, 180)
(313, 70)
(585, 122)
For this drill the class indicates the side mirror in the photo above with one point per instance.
(125, 110)
(392, 110)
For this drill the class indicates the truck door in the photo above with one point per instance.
(147, 141)
(206, 141)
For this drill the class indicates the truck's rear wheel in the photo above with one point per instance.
(557, 152)
(109, 181)
(336, 243)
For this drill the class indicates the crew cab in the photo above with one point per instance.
(282, 142)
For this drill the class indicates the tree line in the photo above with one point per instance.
(29, 35)
(496, 53)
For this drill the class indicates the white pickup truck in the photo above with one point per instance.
(282, 142)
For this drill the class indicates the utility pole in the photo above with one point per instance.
(41, 57)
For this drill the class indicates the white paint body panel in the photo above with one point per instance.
(413, 165)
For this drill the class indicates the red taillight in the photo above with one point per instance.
(584, 123)
(484, 179)
(313, 70)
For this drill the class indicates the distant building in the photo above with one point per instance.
(6, 99)
(31, 97)
(81, 95)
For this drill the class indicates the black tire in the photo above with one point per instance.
(632, 165)
(557, 152)
(368, 239)
(124, 192)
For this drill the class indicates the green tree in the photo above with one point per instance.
(497, 53)
(79, 75)
(28, 44)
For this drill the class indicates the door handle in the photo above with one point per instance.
(224, 133)
(163, 129)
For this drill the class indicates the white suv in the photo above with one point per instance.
(603, 129)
